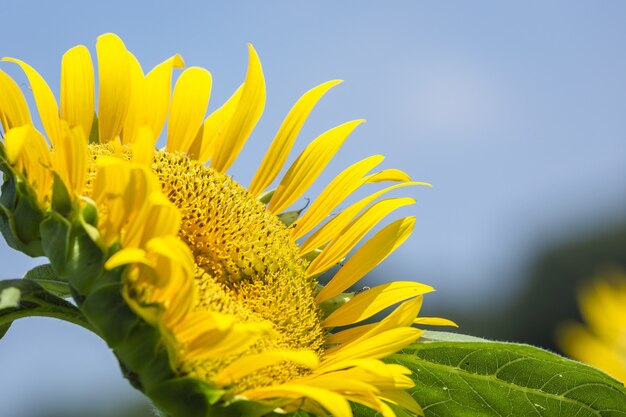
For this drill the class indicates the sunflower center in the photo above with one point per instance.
(247, 264)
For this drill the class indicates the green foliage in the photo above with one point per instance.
(49, 280)
(466, 376)
(26, 298)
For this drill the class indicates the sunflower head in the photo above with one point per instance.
(207, 290)
(601, 341)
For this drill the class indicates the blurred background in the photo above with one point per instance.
(515, 112)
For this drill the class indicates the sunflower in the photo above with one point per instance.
(602, 342)
(208, 291)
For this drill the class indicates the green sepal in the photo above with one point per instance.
(332, 304)
(85, 262)
(19, 213)
(26, 298)
(186, 397)
(45, 276)
(459, 375)
(9, 232)
(111, 316)
(55, 233)
(89, 212)
(310, 256)
(266, 197)
(61, 199)
(289, 217)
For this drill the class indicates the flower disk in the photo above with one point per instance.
(246, 263)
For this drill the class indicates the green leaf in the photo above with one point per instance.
(460, 375)
(49, 280)
(26, 298)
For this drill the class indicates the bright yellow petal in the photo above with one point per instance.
(189, 104)
(278, 152)
(158, 90)
(390, 175)
(372, 253)
(70, 158)
(403, 399)
(77, 89)
(402, 316)
(334, 403)
(13, 108)
(143, 146)
(127, 256)
(309, 165)
(27, 148)
(435, 321)
(352, 234)
(370, 302)
(337, 191)
(213, 129)
(334, 226)
(114, 73)
(134, 116)
(379, 346)
(46, 103)
(249, 109)
(251, 363)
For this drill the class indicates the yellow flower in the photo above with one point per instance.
(222, 274)
(602, 342)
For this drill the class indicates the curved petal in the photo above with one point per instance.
(114, 73)
(276, 155)
(249, 109)
(189, 104)
(309, 165)
(77, 89)
(46, 103)
(13, 108)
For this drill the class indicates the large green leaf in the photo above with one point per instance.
(466, 376)
(26, 298)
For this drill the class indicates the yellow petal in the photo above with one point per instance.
(338, 190)
(400, 317)
(334, 403)
(158, 90)
(189, 104)
(127, 256)
(70, 158)
(277, 154)
(134, 116)
(143, 146)
(390, 175)
(13, 108)
(46, 103)
(352, 234)
(248, 112)
(251, 363)
(379, 346)
(403, 399)
(370, 302)
(77, 89)
(334, 226)
(27, 148)
(372, 253)
(114, 73)
(213, 129)
(309, 165)
(435, 321)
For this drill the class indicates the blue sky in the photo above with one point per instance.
(515, 112)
